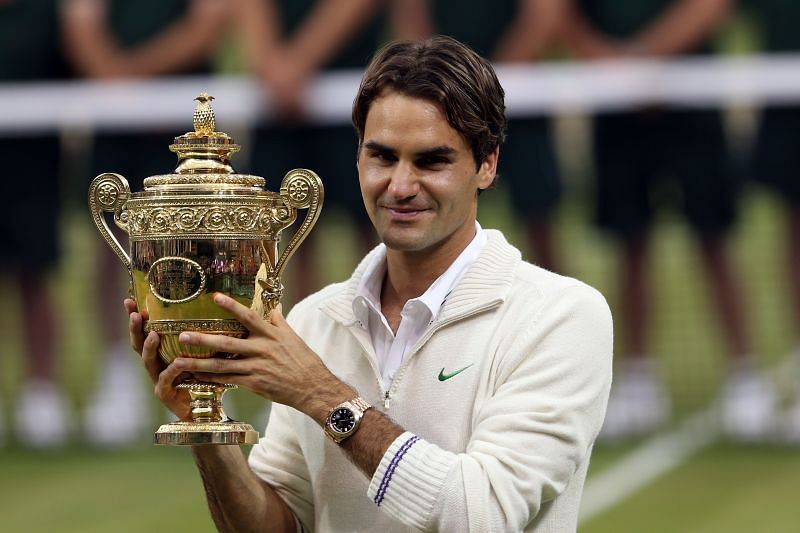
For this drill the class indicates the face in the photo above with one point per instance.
(418, 176)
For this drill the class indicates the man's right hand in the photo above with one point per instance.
(163, 376)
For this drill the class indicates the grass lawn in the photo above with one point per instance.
(726, 488)
(81, 490)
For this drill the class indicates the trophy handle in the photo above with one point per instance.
(300, 189)
(110, 192)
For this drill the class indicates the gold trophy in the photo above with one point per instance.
(201, 230)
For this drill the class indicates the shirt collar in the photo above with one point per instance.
(368, 292)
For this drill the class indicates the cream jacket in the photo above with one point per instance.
(501, 400)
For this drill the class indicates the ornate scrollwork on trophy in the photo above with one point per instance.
(170, 329)
(271, 292)
(203, 326)
(109, 193)
(238, 180)
(300, 189)
(226, 219)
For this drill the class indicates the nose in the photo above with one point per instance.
(403, 182)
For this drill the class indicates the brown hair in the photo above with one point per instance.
(448, 73)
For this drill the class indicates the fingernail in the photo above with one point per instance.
(179, 363)
(219, 298)
(185, 337)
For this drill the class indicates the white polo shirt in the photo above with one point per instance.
(417, 314)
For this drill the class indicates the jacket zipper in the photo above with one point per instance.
(401, 371)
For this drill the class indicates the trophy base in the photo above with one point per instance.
(199, 433)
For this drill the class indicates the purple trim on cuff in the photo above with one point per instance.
(387, 476)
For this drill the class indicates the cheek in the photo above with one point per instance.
(371, 179)
(455, 191)
(369, 189)
(363, 177)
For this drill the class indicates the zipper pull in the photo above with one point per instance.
(386, 400)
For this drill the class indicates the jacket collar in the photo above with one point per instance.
(488, 281)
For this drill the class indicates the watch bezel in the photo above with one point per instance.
(352, 420)
(337, 434)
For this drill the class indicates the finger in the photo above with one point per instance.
(212, 365)
(136, 329)
(276, 317)
(165, 382)
(216, 342)
(152, 361)
(224, 379)
(243, 314)
(130, 305)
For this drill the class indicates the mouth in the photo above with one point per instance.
(404, 213)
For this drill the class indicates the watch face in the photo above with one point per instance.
(343, 420)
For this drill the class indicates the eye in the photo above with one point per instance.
(382, 157)
(433, 162)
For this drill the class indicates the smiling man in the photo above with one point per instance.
(447, 385)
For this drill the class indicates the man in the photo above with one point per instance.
(634, 151)
(30, 247)
(775, 164)
(120, 40)
(287, 43)
(487, 376)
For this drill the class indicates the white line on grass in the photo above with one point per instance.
(654, 458)
(658, 455)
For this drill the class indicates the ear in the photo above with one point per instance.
(488, 169)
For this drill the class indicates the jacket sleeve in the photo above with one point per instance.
(278, 460)
(530, 437)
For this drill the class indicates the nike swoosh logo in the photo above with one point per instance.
(445, 377)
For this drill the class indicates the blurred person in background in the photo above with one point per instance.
(776, 158)
(118, 40)
(633, 151)
(29, 52)
(287, 43)
(505, 31)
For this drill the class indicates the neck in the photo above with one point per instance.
(410, 273)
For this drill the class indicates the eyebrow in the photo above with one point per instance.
(436, 151)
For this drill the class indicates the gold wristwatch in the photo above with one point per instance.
(344, 419)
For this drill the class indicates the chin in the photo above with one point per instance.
(403, 243)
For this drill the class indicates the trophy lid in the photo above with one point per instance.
(204, 155)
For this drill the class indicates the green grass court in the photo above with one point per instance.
(723, 488)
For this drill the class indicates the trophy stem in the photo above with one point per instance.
(210, 424)
(206, 401)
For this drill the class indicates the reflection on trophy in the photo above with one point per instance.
(199, 231)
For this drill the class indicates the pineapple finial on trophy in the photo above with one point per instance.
(204, 150)
(203, 120)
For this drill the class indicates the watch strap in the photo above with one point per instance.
(359, 405)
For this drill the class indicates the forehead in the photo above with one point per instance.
(396, 118)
